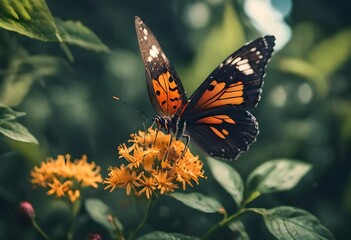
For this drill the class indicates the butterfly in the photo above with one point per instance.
(215, 117)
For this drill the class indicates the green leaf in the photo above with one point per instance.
(199, 202)
(239, 228)
(8, 114)
(100, 213)
(328, 58)
(16, 131)
(163, 235)
(289, 223)
(76, 33)
(228, 178)
(302, 68)
(275, 175)
(22, 72)
(33, 19)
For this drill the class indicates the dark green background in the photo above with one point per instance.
(72, 111)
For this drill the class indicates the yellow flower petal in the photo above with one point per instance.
(65, 177)
(154, 165)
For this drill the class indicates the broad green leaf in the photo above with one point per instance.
(199, 202)
(289, 223)
(228, 178)
(158, 235)
(76, 33)
(100, 213)
(33, 19)
(7, 113)
(275, 175)
(302, 68)
(239, 228)
(23, 72)
(16, 131)
(33, 153)
(332, 53)
(222, 40)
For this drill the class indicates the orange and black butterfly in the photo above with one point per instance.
(215, 117)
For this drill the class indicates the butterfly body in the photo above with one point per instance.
(215, 117)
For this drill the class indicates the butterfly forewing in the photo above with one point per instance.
(237, 81)
(164, 87)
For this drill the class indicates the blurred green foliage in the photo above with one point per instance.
(66, 93)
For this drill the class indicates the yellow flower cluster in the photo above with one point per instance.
(155, 165)
(64, 177)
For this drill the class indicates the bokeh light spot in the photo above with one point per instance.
(305, 93)
(278, 96)
(197, 15)
(269, 19)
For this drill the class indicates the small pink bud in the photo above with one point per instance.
(27, 209)
(94, 236)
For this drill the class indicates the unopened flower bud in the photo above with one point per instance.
(94, 236)
(27, 209)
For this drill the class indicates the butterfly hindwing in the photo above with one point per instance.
(237, 81)
(223, 132)
(165, 89)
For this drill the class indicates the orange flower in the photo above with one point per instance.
(148, 185)
(65, 178)
(123, 178)
(154, 165)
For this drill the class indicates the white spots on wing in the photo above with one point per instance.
(236, 60)
(253, 49)
(149, 58)
(154, 51)
(223, 150)
(248, 71)
(145, 31)
(228, 61)
(258, 53)
(145, 37)
(242, 62)
(244, 67)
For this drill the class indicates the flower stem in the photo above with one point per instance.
(143, 220)
(74, 207)
(226, 220)
(36, 226)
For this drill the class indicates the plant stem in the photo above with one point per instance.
(143, 220)
(36, 226)
(117, 229)
(225, 221)
(74, 207)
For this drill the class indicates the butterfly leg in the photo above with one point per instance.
(157, 130)
(187, 141)
(168, 147)
(145, 132)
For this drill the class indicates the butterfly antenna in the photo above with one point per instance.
(132, 107)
